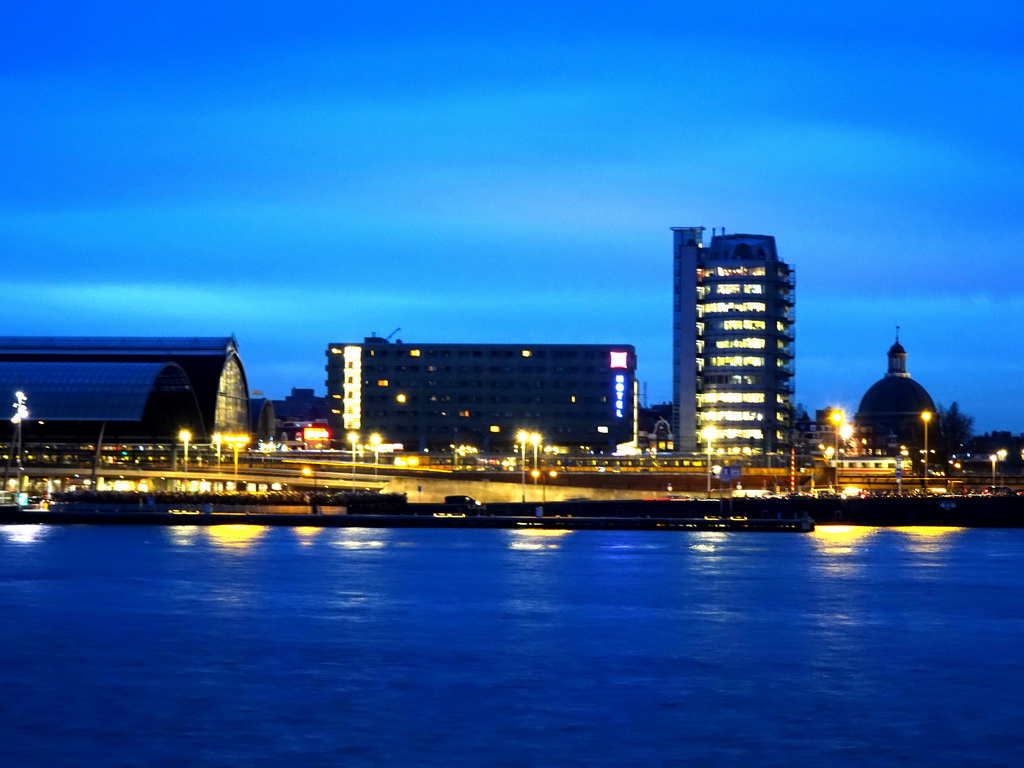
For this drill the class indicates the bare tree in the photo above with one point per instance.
(955, 429)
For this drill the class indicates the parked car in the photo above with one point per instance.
(465, 501)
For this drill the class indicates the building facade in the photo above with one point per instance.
(733, 334)
(435, 396)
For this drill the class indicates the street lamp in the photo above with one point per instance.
(375, 444)
(828, 452)
(184, 435)
(551, 474)
(522, 436)
(926, 416)
(997, 456)
(20, 415)
(353, 438)
(217, 439)
(709, 433)
(535, 438)
(836, 417)
(236, 442)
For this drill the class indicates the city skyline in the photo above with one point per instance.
(489, 175)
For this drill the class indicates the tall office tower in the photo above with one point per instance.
(733, 343)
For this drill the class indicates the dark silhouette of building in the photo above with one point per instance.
(889, 417)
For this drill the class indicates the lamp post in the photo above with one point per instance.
(20, 415)
(709, 433)
(926, 416)
(997, 456)
(535, 438)
(522, 437)
(544, 489)
(353, 438)
(184, 435)
(375, 444)
(217, 439)
(236, 442)
(829, 452)
(836, 417)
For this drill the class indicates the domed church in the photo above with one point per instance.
(889, 415)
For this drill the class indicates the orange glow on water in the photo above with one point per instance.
(238, 536)
(928, 530)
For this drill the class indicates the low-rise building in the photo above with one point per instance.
(582, 397)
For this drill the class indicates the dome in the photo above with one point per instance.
(894, 396)
(890, 411)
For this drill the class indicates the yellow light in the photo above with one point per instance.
(927, 530)
(235, 535)
(522, 436)
(375, 440)
(926, 416)
(400, 398)
(184, 435)
(836, 417)
(307, 471)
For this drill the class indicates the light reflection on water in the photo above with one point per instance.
(368, 647)
(24, 534)
(362, 538)
(235, 536)
(534, 539)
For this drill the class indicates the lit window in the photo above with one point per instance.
(603, 430)
(382, 382)
(527, 353)
(495, 428)
(414, 353)
(400, 398)
(726, 289)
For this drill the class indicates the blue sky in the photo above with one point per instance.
(312, 172)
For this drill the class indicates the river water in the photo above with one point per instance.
(253, 646)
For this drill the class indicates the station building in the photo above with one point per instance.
(96, 389)
(582, 397)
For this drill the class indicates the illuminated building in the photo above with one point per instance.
(733, 343)
(128, 388)
(434, 396)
